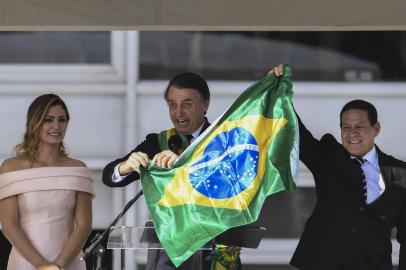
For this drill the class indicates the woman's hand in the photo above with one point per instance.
(49, 266)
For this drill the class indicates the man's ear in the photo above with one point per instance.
(377, 128)
(206, 106)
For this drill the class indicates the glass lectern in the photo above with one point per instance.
(145, 238)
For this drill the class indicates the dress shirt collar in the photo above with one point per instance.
(371, 157)
(197, 131)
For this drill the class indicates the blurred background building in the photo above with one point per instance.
(113, 84)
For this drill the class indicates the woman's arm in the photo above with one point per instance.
(11, 229)
(77, 239)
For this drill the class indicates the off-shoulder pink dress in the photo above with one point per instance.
(46, 204)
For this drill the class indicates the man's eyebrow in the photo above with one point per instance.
(183, 100)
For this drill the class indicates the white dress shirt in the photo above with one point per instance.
(373, 176)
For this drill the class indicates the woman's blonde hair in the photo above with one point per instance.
(36, 114)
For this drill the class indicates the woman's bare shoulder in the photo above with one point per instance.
(14, 164)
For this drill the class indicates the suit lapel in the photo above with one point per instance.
(354, 178)
(350, 172)
(385, 167)
(205, 126)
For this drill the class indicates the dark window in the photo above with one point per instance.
(314, 56)
(55, 47)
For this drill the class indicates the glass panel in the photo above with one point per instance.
(122, 237)
(55, 47)
(315, 56)
(285, 213)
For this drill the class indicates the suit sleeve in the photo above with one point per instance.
(150, 146)
(401, 236)
(309, 147)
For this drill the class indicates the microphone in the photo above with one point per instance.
(175, 143)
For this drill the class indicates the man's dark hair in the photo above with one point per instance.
(361, 105)
(189, 80)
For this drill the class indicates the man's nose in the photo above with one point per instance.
(179, 111)
(352, 130)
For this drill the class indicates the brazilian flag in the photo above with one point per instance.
(223, 178)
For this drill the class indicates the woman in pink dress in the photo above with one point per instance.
(45, 196)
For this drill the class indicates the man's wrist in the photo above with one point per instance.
(122, 169)
(117, 176)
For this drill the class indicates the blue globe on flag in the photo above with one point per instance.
(228, 165)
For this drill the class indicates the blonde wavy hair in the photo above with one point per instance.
(28, 148)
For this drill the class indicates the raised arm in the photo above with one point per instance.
(309, 151)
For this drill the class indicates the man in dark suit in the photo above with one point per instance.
(361, 196)
(188, 97)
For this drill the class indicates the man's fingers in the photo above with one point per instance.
(165, 159)
(143, 156)
(157, 160)
(278, 70)
(135, 160)
(172, 159)
(161, 160)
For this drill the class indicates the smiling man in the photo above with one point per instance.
(361, 196)
(187, 96)
(359, 127)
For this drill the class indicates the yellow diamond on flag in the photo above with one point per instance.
(182, 191)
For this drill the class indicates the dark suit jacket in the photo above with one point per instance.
(341, 233)
(157, 259)
(149, 146)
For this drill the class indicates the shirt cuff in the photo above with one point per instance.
(116, 177)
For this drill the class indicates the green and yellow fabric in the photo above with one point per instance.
(163, 138)
(226, 258)
(222, 180)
